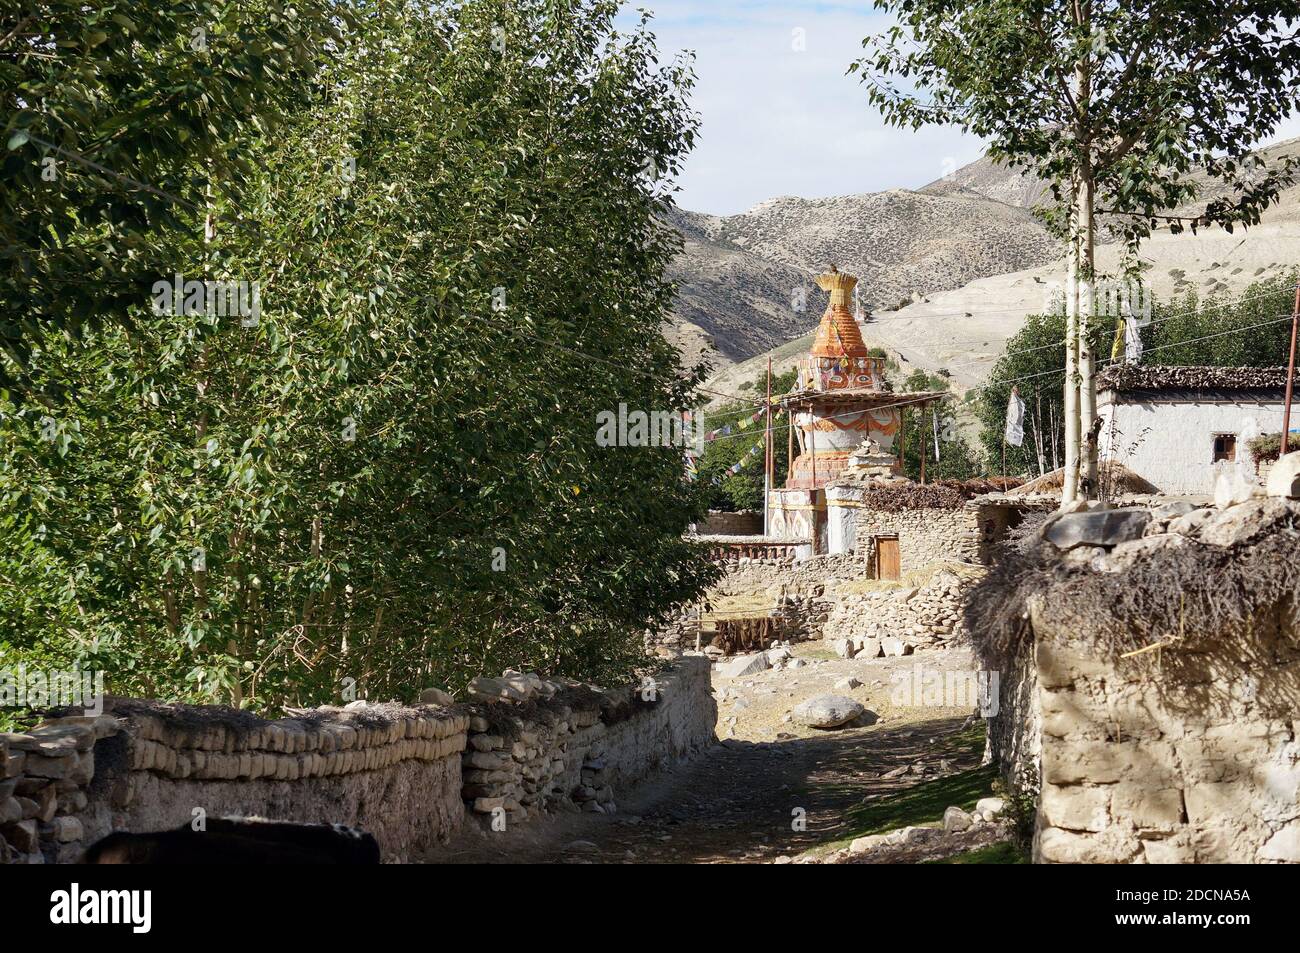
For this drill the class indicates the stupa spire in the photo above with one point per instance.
(838, 334)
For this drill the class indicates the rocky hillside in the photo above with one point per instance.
(738, 274)
(988, 179)
(963, 329)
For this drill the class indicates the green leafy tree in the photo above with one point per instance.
(1116, 106)
(392, 478)
(121, 118)
(1251, 330)
(956, 459)
(744, 490)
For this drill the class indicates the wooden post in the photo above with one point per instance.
(923, 443)
(767, 449)
(1290, 373)
(902, 439)
(789, 442)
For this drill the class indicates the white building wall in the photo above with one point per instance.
(841, 528)
(1172, 444)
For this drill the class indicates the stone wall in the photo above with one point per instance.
(794, 593)
(1151, 669)
(1136, 769)
(729, 523)
(574, 752)
(393, 770)
(898, 620)
(927, 536)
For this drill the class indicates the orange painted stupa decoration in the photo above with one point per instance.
(841, 397)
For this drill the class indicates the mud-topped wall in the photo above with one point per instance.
(407, 774)
(1155, 657)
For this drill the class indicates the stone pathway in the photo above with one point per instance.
(773, 790)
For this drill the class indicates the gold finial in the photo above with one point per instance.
(840, 286)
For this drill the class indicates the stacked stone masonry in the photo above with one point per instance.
(1136, 769)
(390, 769)
(899, 621)
(574, 756)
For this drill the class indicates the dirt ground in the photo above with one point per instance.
(770, 789)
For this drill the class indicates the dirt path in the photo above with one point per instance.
(771, 789)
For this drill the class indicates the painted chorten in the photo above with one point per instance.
(840, 398)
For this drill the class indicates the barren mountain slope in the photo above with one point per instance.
(731, 304)
(992, 181)
(964, 330)
(738, 274)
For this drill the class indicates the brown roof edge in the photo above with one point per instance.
(1127, 377)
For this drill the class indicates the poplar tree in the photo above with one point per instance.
(1118, 107)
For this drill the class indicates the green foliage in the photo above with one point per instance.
(1265, 448)
(1003, 852)
(1133, 99)
(923, 803)
(1022, 800)
(1250, 331)
(957, 461)
(121, 116)
(388, 482)
(744, 490)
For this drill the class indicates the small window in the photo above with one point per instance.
(1225, 447)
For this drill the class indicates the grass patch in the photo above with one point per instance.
(814, 653)
(923, 804)
(1003, 852)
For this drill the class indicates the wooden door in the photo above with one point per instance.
(887, 557)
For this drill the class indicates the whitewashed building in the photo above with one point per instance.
(1177, 426)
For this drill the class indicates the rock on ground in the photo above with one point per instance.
(827, 711)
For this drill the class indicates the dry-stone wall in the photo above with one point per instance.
(900, 620)
(390, 769)
(731, 523)
(931, 535)
(575, 749)
(1164, 670)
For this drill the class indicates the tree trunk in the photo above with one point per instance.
(1083, 238)
(1087, 309)
(1070, 482)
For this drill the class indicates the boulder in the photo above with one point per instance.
(843, 648)
(827, 711)
(1239, 523)
(957, 819)
(1096, 528)
(499, 689)
(1231, 486)
(847, 684)
(1190, 524)
(436, 696)
(1172, 510)
(745, 665)
(861, 845)
(1284, 478)
(776, 655)
(866, 648)
(893, 648)
(990, 808)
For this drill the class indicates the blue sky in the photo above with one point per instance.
(779, 115)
